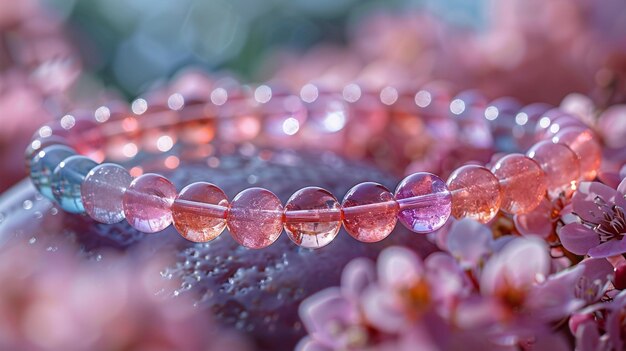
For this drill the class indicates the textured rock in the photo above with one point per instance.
(255, 291)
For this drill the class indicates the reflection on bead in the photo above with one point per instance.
(560, 165)
(255, 218)
(147, 203)
(584, 145)
(476, 193)
(370, 212)
(44, 163)
(102, 192)
(66, 181)
(199, 212)
(39, 144)
(522, 181)
(425, 202)
(312, 217)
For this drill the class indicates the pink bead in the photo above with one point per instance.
(147, 203)
(424, 201)
(560, 165)
(255, 218)
(584, 145)
(102, 192)
(370, 212)
(476, 193)
(522, 181)
(199, 212)
(312, 217)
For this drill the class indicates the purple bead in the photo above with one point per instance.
(102, 192)
(425, 202)
(148, 201)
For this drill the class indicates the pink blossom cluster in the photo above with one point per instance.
(486, 293)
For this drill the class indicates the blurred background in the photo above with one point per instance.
(63, 56)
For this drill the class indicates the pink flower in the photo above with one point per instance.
(333, 316)
(392, 312)
(518, 278)
(602, 225)
(544, 220)
(603, 327)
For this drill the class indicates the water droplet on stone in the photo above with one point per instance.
(27, 205)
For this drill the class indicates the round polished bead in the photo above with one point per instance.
(370, 212)
(199, 212)
(39, 144)
(425, 202)
(476, 193)
(523, 183)
(67, 179)
(313, 217)
(560, 164)
(102, 192)
(44, 163)
(147, 203)
(584, 145)
(255, 218)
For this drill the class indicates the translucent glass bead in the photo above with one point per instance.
(582, 142)
(39, 144)
(312, 217)
(476, 193)
(67, 179)
(199, 212)
(425, 202)
(523, 183)
(44, 163)
(102, 192)
(370, 212)
(255, 218)
(147, 203)
(560, 165)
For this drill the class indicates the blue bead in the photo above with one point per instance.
(44, 163)
(67, 179)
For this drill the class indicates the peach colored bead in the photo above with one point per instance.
(255, 218)
(523, 183)
(312, 217)
(476, 193)
(585, 146)
(370, 212)
(199, 212)
(560, 165)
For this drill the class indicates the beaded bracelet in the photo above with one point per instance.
(312, 217)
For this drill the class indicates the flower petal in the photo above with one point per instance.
(309, 344)
(383, 310)
(325, 309)
(448, 283)
(608, 249)
(518, 265)
(554, 299)
(587, 337)
(469, 241)
(583, 201)
(358, 274)
(597, 269)
(399, 267)
(613, 328)
(578, 239)
(621, 188)
(538, 222)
